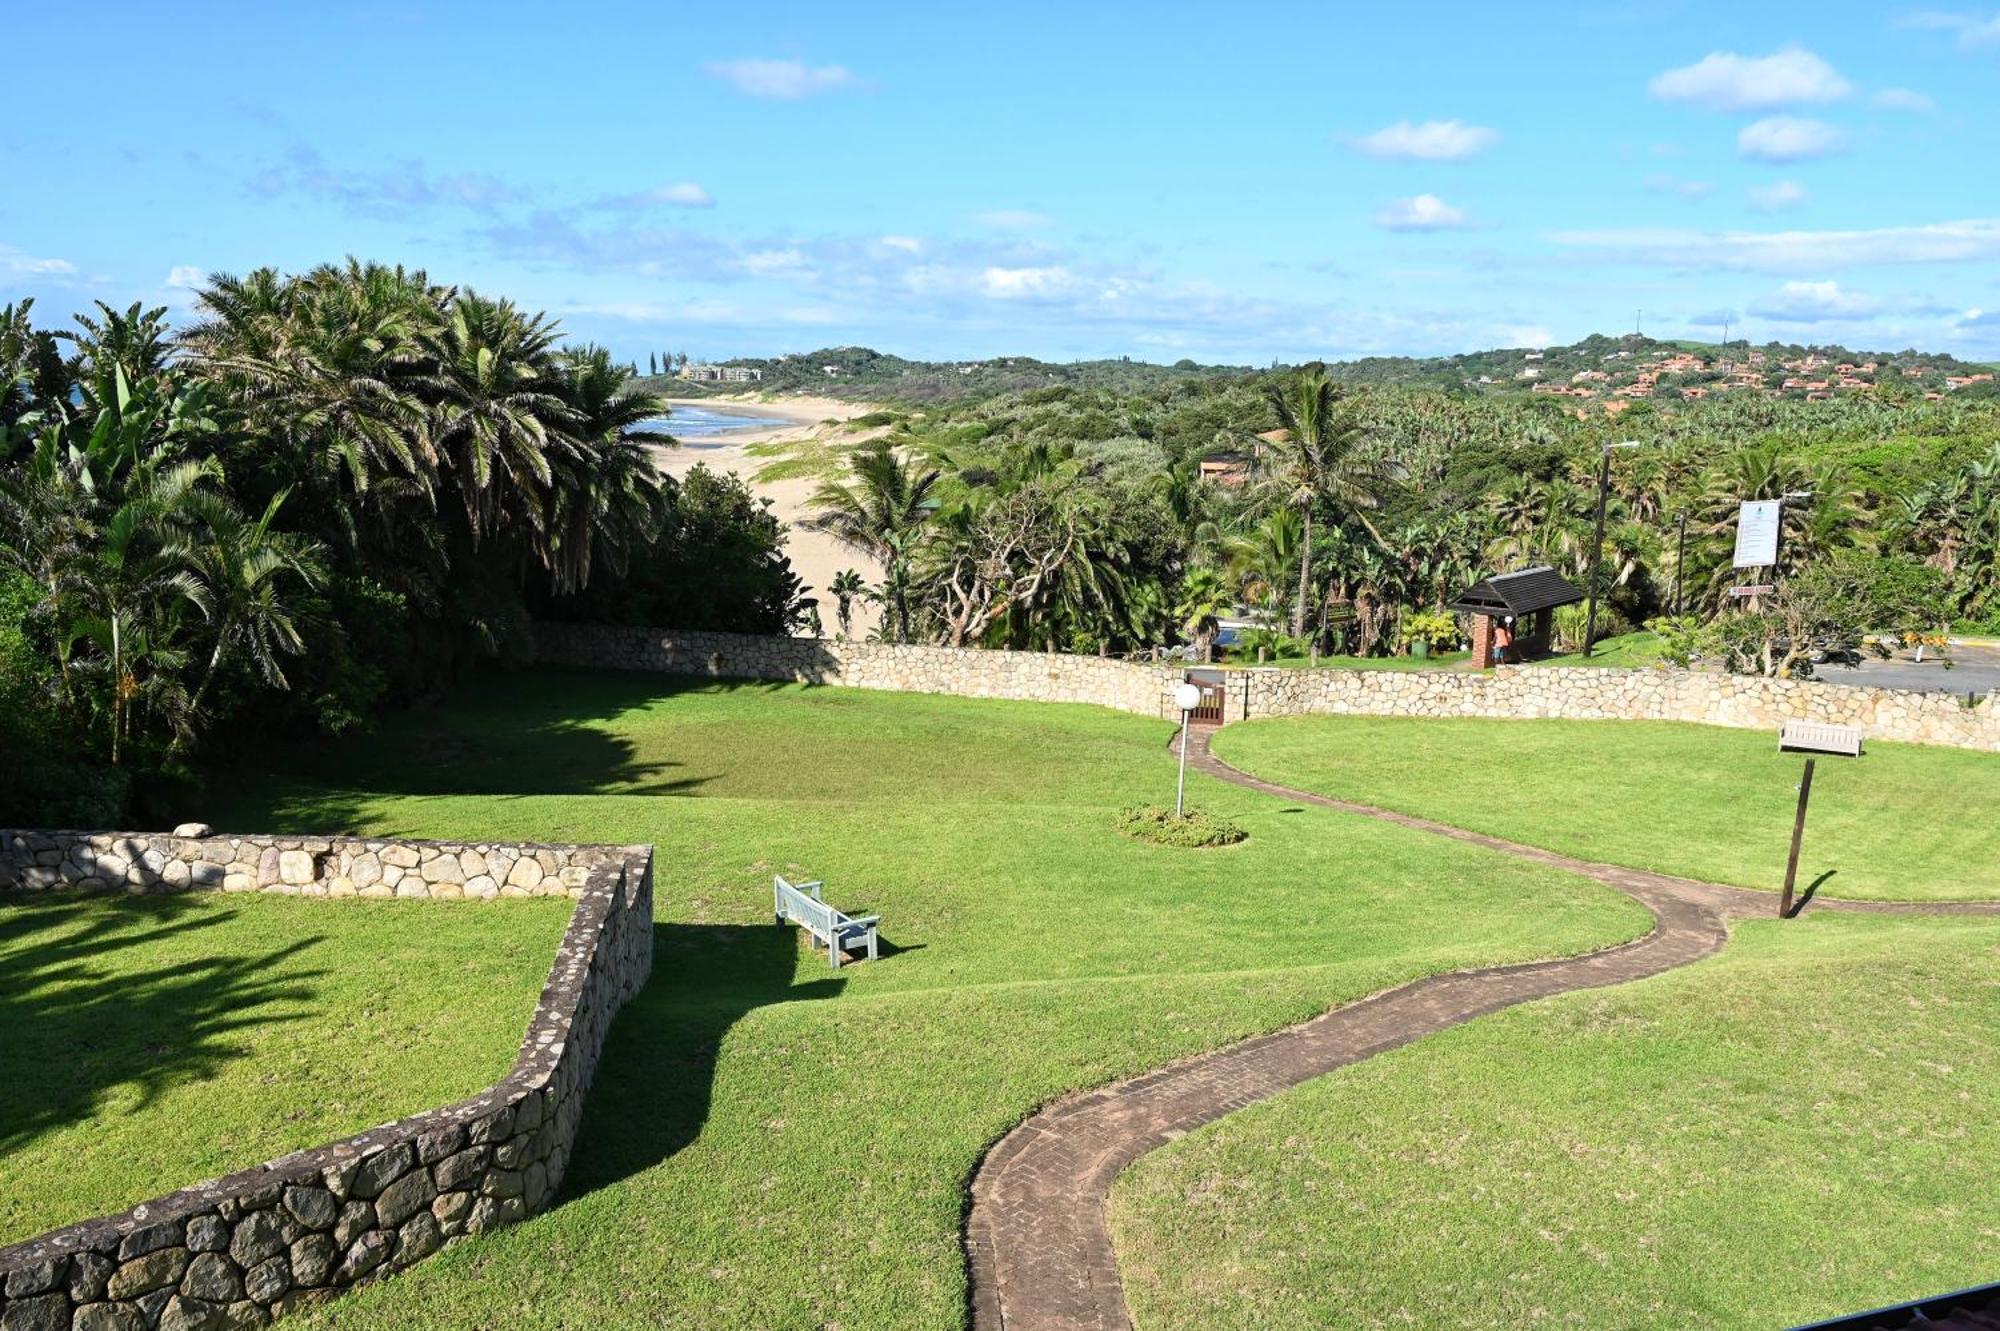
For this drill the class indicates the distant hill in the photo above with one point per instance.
(1606, 370)
(862, 373)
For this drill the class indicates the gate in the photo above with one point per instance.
(1209, 712)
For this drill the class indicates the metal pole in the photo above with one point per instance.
(1798, 836)
(1180, 790)
(1680, 564)
(1597, 552)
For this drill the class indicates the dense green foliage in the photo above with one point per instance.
(328, 495)
(156, 1041)
(1102, 520)
(1029, 950)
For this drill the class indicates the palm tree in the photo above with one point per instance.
(1321, 458)
(1205, 598)
(846, 585)
(243, 566)
(878, 511)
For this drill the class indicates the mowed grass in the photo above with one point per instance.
(1799, 1127)
(770, 1145)
(147, 1043)
(1905, 822)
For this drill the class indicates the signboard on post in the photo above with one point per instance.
(1757, 524)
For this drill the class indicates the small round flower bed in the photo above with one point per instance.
(1193, 830)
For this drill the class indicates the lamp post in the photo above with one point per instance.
(1187, 697)
(1597, 543)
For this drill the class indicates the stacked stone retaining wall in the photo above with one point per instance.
(1509, 692)
(242, 1250)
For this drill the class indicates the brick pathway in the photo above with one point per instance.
(1038, 1250)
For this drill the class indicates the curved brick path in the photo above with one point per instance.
(1038, 1249)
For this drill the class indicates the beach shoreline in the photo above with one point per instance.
(816, 557)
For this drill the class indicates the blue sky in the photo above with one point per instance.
(1228, 182)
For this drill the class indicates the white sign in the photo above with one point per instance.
(1757, 524)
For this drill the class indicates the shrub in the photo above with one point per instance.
(1192, 830)
(1429, 626)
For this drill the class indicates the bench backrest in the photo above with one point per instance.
(1821, 737)
(802, 902)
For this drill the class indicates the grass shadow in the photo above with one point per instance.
(83, 1013)
(1812, 890)
(541, 732)
(651, 1094)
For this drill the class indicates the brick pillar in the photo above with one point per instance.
(1482, 641)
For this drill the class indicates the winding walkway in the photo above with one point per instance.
(1037, 1244)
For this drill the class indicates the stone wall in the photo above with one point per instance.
(966, 672)
(1586, 693)
(241, 1250)
(1509, 691)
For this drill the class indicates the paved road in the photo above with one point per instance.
(1973, 670)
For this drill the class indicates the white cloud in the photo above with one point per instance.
(1792, 251)
(907, 244)
(1976, 322)
(1726, 81)
(1903, 99)
(681, 194)
(1974, 30)
(185, 275)
(781, 80)
(1664, 183)
(1815, 302)
(774, 263)
(1777, 196)
(1424, 212)
(18, 261)
(1013, 283)
(1789, 139)
(1012, 219)
(1525, 335)
(1432, 141)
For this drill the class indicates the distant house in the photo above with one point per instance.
(830, 371)
(721, 374)
(1957, 381)
(1230, 469)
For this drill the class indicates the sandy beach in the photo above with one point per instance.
(815, 557)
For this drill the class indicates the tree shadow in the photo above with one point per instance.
(1812, 890)
(539, 732)
(84, 1012)
(655, 1077)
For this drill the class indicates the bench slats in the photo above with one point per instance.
(1820, 737)
(791, 903)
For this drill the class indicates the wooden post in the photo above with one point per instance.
(1798, 836)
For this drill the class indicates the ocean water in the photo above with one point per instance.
(695, 426)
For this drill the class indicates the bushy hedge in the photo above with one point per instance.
(1193, 830)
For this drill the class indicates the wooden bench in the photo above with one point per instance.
(802, 905)
(1820, 737)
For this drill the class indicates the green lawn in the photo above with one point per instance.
(1799, 1127)
(771, 1146)
(1905, 822)
(1627, 651)
(147, 1043)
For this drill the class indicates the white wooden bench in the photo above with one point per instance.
(1820, 737)
(802, 905)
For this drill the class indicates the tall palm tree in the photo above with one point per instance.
(878, 511)
(245, 567)
(846, 585)
(1321, 459)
